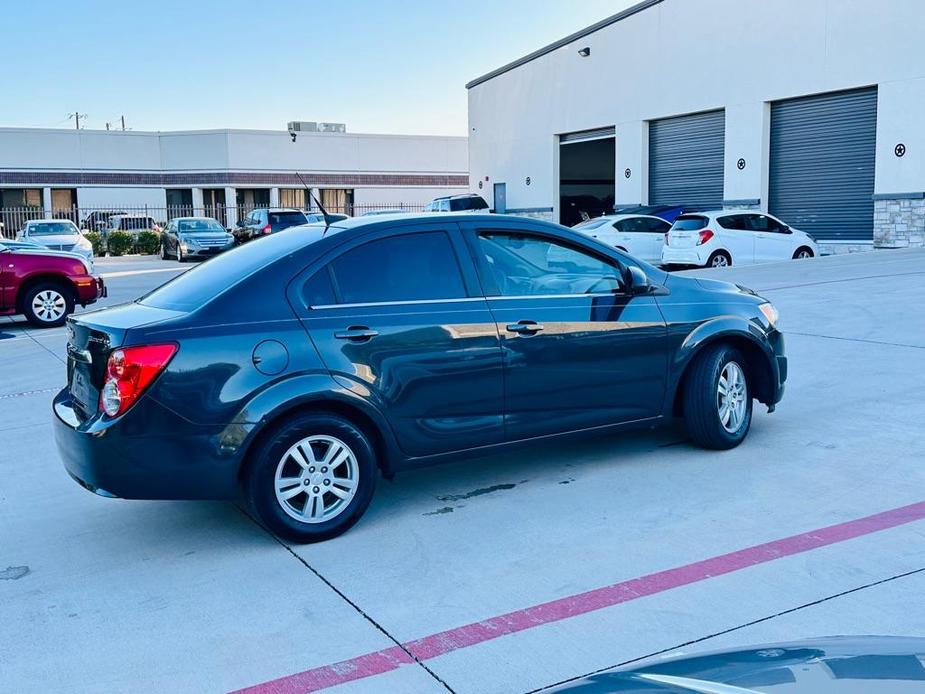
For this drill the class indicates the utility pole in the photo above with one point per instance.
(123, 123)
(77, 115)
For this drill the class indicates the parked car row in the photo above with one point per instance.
(703, 239)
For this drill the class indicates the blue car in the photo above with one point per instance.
(294, 371)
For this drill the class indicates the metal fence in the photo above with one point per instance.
(13, 219)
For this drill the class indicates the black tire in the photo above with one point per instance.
(180, 257)
(701, 401)
(803, 252)
(714, 259)
(55, 289)
(260, 479)
(163, 251)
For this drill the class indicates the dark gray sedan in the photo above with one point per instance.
(833, 665)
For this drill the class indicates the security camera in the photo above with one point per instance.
(293, 134)
(584, 52)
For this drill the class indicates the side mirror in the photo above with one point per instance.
(638, 281)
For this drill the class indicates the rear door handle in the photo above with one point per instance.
(356, 333)
(525, 327)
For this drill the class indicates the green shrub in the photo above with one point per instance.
(96, 240)
(147, 242)
(120, 242)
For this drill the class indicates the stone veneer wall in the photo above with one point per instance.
(899, 222)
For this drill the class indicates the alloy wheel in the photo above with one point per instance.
(731, 397)
(804, 254)
(316, 479)
(49, 305)
(719, 261)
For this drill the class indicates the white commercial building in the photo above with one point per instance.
(220, 172)
(809, 109)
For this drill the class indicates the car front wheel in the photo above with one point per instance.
(803, 253)
(312, 478)
(48, 304)
(717, 401)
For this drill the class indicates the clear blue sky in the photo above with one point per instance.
(381, 66)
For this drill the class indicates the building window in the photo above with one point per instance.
(337, 200)
(292, 197)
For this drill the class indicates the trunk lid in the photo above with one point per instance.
(91, 338)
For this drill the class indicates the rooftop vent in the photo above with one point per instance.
(304, 126)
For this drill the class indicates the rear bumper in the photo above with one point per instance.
(126, 457)
(682, 256)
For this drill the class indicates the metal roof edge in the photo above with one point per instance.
(613, 19)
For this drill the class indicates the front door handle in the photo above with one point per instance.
(356, 333)
(525, 327)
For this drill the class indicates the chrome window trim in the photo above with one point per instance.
(555, 296)
(398, 303)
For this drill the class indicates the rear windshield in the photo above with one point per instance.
(689, 222)
(204, 282)
(287, 218)
(133, 223)
(473, 203)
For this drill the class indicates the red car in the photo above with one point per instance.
(45, 285)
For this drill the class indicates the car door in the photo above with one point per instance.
(170, 237)
(399, 315)
(655, 239)
(772, 244)
(579, 351)
(735, 235)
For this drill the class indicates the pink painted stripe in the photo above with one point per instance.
(445, 642)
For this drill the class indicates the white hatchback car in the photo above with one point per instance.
(639, 235)
(734, 237)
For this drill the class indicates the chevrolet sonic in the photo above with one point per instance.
(293, 371)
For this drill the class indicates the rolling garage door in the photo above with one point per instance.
(822, 164)
(686, 160)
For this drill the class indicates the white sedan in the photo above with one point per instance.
(734, 237)
(639, 235)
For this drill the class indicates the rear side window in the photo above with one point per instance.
(659, 226)
(410, 267)
(473, 203)
(689, 222)
(318, 290)
(287, 218)
(636, 225)
(733, 221)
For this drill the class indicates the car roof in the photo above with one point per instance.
(191, 219)
(46, 220)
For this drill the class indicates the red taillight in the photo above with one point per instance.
(129, 372)
(705, 236)
(267, 229)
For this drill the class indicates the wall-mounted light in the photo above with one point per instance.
(584, 52)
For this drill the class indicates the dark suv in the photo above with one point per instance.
(296, 369)
(264, 221)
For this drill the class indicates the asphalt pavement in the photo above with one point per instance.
(505, 574)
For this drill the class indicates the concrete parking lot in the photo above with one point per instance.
(504, 574)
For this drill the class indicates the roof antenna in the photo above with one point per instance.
(328, 220)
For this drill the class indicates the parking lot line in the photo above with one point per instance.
(131, 273)
(434, 645)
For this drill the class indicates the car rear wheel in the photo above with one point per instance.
(48, 304)
(719, 259)
(803, 253)
(312, 478)
(717, 401)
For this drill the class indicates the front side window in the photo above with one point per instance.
(523, 265)
(409, 267)
(760, 222)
